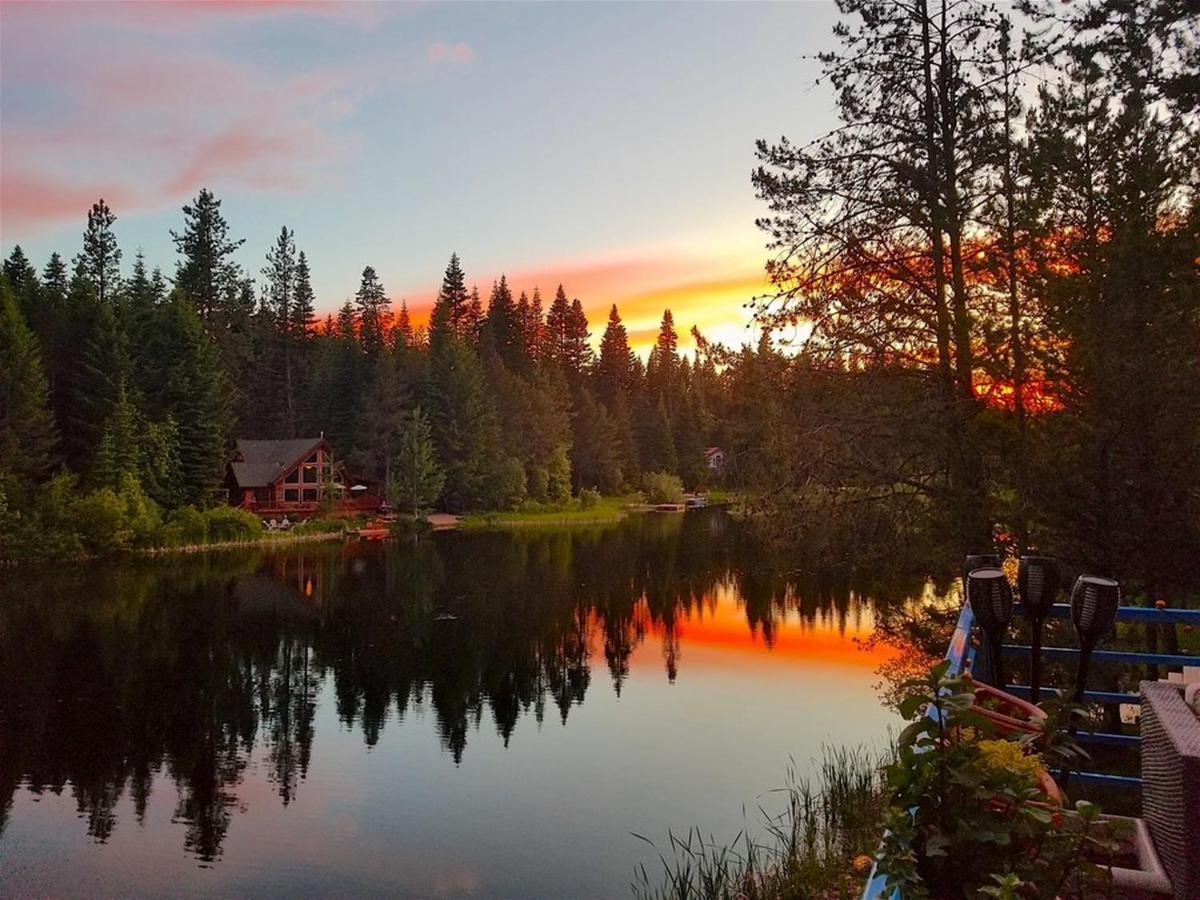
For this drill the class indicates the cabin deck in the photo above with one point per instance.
(1112, 779)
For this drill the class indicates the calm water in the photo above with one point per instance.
(472, 714)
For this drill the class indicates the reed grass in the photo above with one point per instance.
(820, 845)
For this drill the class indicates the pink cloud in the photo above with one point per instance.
(171, 15)
(441, 52)
(164, 114)
(29, 195)
(179, 122)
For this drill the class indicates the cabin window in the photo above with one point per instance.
(262, 495)
(310, 494)
(293, 477)
(291, 495)
(310, 474)
(312, 460)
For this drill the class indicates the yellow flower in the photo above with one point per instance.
(1009, 756)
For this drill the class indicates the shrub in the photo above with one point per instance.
(558, 475)
(967, 813)
(187, 525)
(662, 487)
(320, 526)
(588, 498)
(227, 523)
(141, 519)
(98, 519)
(537, 484)
(509, 484)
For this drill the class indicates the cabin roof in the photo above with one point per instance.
(262, 463)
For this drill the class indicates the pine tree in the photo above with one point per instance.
(501, 327)
(403, 335)
(23, 282)
(345, 384)
(450, 307)
(118, 455)
(525, 331)
(593, 453)
(558, 318)
(415, 481)
(371, 304)
(193, 392)
(101, 257)
(207, 269)
(663, 365)
(54, 276)
(464, 424)
(385, 405)
(577, 351)
(614, 371)
(27, 431)
(20, 274)
(279, 301)
(536, 331)
(304, 301)
(472, 325)
(91, 362)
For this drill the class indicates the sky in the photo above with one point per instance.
(606, 146)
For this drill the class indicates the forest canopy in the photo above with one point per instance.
(994, 256)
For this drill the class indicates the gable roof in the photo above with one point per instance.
(262, 463)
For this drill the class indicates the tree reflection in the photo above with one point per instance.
(111, 676)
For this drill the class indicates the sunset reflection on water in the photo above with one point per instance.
(472, 714)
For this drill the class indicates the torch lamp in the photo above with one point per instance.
(1038, 583)
(1094, 602)
(991, 599)
(973, 561)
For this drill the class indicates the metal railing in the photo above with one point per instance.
(961, 653)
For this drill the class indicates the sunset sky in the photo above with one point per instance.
(607, 146)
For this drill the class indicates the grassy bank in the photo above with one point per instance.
(603, 511)
(265, 539)
(820, 845)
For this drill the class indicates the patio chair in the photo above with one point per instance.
(1171, 782)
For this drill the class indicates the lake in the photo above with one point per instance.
(487, 714)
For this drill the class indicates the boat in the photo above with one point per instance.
(374, 530)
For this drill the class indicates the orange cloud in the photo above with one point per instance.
(709, 292)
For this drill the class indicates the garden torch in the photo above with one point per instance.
(991, 599)
(1094, 602)
(975, 561)
(1038, 582)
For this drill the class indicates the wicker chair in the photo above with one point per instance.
(1171, 777)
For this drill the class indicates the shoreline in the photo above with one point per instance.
(236, 545)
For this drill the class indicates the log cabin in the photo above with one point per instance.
(294, 478)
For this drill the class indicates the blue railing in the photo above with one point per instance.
(961, 652)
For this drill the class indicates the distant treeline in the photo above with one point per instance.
(136, 385)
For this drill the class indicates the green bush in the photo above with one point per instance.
(187, 525)
(320, 526)
(98, 518)
(588, 498)
(509, 485)
(227, 523)
(662, 487)
(965, 820)
(141, 521)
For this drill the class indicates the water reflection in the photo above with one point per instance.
(121, 681)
